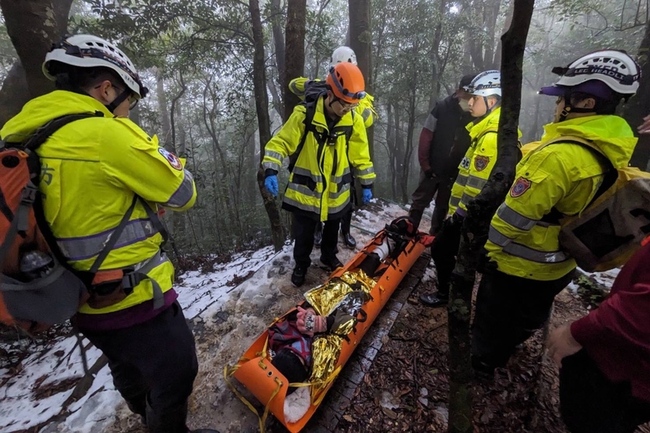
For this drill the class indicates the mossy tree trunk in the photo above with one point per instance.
(264, 123)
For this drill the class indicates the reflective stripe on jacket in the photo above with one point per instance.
(477, 164)
(320, 181)
(90, 171)
(523, 239)
(365, 109)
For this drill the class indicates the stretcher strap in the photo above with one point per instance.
(227, 374)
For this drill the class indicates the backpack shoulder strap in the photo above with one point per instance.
(309, 117)
(609, 171)
(30, 194)
(44, 132)
(587, 144)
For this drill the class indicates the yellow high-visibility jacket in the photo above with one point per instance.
(320, 181)
(90, 171)
(365, 108)
(477, 164)
(560, 177)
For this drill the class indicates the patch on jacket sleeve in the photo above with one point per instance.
(520, 186)
(171, 158)
(464, 163)
(480, 162)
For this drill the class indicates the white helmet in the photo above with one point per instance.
(487, 83)
(87, 51)
(613, 67)
(343, 54)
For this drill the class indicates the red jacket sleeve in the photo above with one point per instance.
(624, 314)
(424, 149)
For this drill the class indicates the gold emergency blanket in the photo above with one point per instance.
(345, 295)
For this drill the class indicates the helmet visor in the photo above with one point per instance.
(596, 88)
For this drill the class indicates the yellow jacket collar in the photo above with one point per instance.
(42, 109)
(611, 134)
(491, 121)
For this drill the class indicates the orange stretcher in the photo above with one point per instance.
(254, 369)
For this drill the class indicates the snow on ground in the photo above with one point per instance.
(225, 315)
(227, 306)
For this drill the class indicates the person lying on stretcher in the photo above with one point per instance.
(306, 343)
(290, 340)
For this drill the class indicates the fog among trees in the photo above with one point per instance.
(218, 71)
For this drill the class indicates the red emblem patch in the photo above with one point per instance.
(520, 186)
(480, 162)
(171, 158)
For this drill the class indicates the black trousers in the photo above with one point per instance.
(346, 221)
(590, 403)
(444, 251)
(303, 233)
(422, 197)
(153, 365)
(508, 310)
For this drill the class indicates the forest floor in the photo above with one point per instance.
(405, 387)
(396, 381)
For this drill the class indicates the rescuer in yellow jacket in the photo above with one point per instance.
(302, 87)
(334, 148)
(473, 172)
(103, 175)
(551, 181)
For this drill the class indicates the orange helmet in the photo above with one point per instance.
(346, 82)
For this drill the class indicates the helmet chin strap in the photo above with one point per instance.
(568, 108)
(117, 101)
(488, 110)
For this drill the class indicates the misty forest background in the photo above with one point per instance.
(208, 62)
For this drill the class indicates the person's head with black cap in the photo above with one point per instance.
(594, 84)
(291, 366)
(461, 94)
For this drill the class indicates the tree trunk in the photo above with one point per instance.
(14, 93)
(278, 36)
(361, 43)
(32, 25)
(165, 122)
(294, 61)
(639, 105)
(476, 224)
(276, 20)
(262, 105)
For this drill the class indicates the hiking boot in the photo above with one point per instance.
(331, 263)
(348, 240)
(318, 236)
(433, 299)
(298, 276)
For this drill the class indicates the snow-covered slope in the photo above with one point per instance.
(227, 308)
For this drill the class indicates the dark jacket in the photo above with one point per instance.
(444, 139)
(616, 335)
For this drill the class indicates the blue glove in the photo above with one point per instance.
(271, 184)
(367, 195)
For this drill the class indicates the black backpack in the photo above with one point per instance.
(314, 90)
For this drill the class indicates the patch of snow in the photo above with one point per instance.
(227, 308)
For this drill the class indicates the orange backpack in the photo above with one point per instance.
(36, 289)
